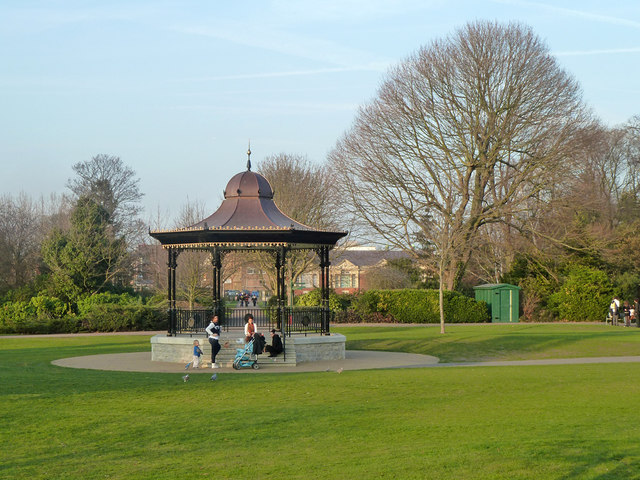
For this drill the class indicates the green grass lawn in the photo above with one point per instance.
(522, 341)
(527, 422)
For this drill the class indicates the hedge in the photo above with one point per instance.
(403, 306)
(100, 313)
(111, 317)
(417, 306)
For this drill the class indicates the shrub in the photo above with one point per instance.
(351, 316)
(337, 303)
(48, 307)
(536, 293)
(100, 313)
(583, 296)
(626, 285)
(87, 303)
(14, 316)
(418, 306)
(113, 317)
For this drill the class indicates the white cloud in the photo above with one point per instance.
(275, 40)
(376, 67)
(347, 10)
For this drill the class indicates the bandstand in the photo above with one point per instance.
(249, 220)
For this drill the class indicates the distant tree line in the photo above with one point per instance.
(68, 262)
(478, 157)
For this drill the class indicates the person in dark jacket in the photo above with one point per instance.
(258, 343)
(276, 345)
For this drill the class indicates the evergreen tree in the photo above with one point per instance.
(85, 259)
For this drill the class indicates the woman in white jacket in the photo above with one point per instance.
(249, 328)
(213, 330)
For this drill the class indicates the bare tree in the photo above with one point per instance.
(387, 277)
(194, 267)
(115, 187)
(597, 207)
(20, 238)
(55, 212)
(303, 191)
(464, 133)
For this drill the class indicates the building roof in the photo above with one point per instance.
(366, 258)
(248, 203)
(248, 217)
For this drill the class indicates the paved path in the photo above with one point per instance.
(355, 360)
(549, 361)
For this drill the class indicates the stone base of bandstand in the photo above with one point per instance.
(298, 348)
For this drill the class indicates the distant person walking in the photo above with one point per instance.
(614, 310)
(626, 313)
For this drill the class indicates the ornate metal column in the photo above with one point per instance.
(172, 264)
(323, 253)
(216, 262)
(281, 254)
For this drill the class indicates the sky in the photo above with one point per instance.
(177, 89)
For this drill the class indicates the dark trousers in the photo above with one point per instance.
(215, 348)
(272, 351)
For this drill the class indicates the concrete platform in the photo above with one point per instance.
(298, 348)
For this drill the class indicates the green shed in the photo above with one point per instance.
(502, 299)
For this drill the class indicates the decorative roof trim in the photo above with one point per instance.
(240, 228)
(241, 245)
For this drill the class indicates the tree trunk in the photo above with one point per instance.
(441, 298)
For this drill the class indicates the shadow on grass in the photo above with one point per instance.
(488, 342)
(616, 464)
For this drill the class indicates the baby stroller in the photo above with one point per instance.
(248, 356)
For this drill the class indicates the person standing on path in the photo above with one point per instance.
(626, 313)
(196, 354)
(213, 330)
(614, 309)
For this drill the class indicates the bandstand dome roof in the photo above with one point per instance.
(248, 217)
(248, 203)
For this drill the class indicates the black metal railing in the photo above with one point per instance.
(288, 320)
(192, 321)
(305, 320)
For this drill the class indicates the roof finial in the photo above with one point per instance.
(249, 157)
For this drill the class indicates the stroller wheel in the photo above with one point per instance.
(236, 366)
(255, 366)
